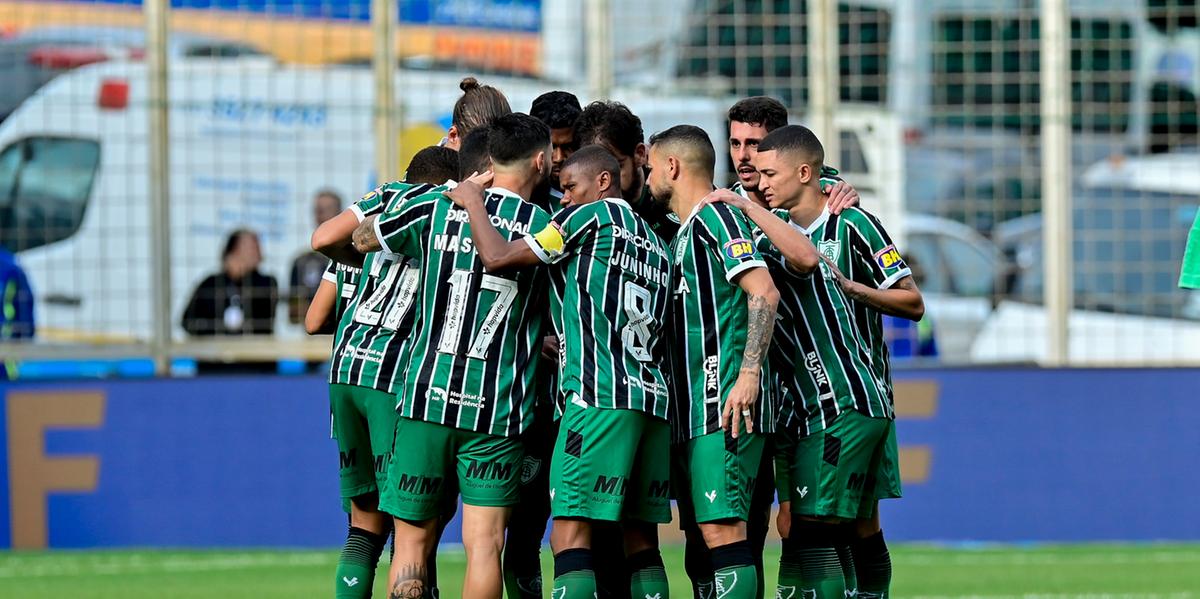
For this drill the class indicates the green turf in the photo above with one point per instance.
(1043, 572)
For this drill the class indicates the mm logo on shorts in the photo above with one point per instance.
(489, 470)
(382, 461)
(660, 488)
(347, 459)
(419, 484)
(612, 486)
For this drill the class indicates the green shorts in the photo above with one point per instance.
(609, 465)
(887, 477)
(834, 472)
(714, 475)
(364, 424)
(432, 462)
(783, 445)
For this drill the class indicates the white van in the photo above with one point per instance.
(250, 144)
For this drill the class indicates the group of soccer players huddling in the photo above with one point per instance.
(552, 319)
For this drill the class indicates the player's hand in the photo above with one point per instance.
(727, 196)
(739, 405)
(783, 521)
(841, 196)
(471, 189)
(838, 277)
(550, 348)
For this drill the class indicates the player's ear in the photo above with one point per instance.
(604, 181)
(452, 138)
(805, 171)
(640, 155)
(674, 167)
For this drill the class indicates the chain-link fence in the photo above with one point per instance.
(271, 123)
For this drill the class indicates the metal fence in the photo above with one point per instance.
(1036, 161)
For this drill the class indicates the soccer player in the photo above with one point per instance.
(558, 110)
(615, 128)
(750, 120)
(614, 280)
(843, 416)
(478, 106)
(469, 368)
(722, 321)
(362, 374)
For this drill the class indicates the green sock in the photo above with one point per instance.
(810, 573)
(733, 571)
(355, 573)
(573, 575)
(580, 584)
(847, 561)
(647, 576)
(873, 567)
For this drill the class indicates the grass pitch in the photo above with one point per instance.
(1141, 571)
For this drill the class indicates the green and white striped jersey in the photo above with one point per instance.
(472, 359)
(376, 317)
(857, 242)
(709, 318)
(817, 348)
(345, 279)
(614, 280)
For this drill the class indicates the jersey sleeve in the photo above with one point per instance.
(734, 247)
(369, 204)
(873, 251)
(560, 236)
(330, 273)
(400, 227)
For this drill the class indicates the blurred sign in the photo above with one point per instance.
(989, 454)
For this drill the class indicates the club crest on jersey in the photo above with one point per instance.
(738, 248)
(831, 249)
(435, 394)
(530, 467)
(888, 257)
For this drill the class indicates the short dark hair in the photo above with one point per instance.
(760, 110)
(558, 109)
(611, 124)
(478, 106)
(473, 154)
(594, 160)
(691, 144)
(433, 165)
(515, 137)
(795, 139)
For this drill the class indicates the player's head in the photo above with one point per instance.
(681, 154)
(519, 145)
(558, 110)
(473, 154)
(433, 165)
(613, 126)
(750, 120)
(326, 205)
(789, 163)
(478, 106)
(590, 174)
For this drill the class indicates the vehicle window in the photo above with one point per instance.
(45, 183)
(853, 160)
(971, 272)
(925, 259)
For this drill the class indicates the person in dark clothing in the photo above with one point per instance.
(239, 300)
(309, 267)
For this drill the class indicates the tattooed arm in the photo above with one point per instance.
(902, 299)
(365, 239)
(761, 303)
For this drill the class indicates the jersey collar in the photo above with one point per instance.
(505, 192)
(815, 224)
(695, 211)
(618, 201)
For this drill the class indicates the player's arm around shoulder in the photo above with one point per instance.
(798, 252)
(496, 252)
(397, 227)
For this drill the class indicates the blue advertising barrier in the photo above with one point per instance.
(989, 455)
